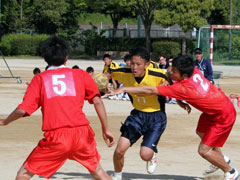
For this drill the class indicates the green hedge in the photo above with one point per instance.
(165, 48)
(22, 44)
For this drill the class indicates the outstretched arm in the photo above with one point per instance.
(136, 90)
(16, 114)
(184, 106)
(101, 112)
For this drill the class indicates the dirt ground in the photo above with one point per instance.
(177, 157)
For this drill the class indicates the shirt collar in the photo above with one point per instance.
(56, 67)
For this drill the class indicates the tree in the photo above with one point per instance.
(69, 25)
(186, 13)
(117, 9)
(146, 8)
(46, 15)
(220, 14)
(9, 15)
(236, 12)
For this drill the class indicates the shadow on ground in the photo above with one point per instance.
(126, 176)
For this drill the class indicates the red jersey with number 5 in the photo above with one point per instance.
(60, 93)
(198, 92)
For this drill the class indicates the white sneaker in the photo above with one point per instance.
(115, 178)
(212, 168)
(113, 97)
(152, 164)
(233, 176)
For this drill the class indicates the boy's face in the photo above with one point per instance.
(175, 74)
(107, 61)
(162, 60)
(138, 66)
(128, 62)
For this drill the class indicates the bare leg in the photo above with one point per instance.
(100, 174)
(146, 153)
(118, 157)
(214, 156)
(24, 174)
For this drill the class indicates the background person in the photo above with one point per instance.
(203, 65)
(163, 63)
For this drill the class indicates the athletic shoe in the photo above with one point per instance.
(233, 176)
(113, 97)
(115, 178)
(212, 168)
(152, 164)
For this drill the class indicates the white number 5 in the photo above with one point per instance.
(56, 81)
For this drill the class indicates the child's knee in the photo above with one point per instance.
(204, 150)
(119, 153)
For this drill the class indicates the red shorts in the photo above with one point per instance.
(61, 144)
(217, 127)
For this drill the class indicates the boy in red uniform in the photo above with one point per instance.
(218, 113)
(60, 92)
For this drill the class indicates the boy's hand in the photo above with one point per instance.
(165, 83)
(116, 91)
(184, 106)
(108, 138)
(188, 108)
(2, 122)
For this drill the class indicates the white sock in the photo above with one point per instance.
(118, 175)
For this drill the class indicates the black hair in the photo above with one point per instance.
(55, 50)
(162, 56)
(107, 56)
(141, 52)
(46, 68)
(185, 64)
(75, 67)
(36, 71)
(90, 69)
(127, 57)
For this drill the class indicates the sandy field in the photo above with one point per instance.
(177, 158)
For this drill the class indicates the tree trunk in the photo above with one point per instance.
(115, 26)
(115, 19)
(184, 45)
(147, 36)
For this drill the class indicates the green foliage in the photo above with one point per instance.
(46, 15)
(220, 14)
(165, 48)
(22, 44)
(97, 18)
(145, 9)
(221, 40)
(236, 12)
(186, 13)
(9, 15)
(90, 39)
(5, 44)
(117, 9)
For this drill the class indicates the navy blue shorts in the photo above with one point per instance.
(149, 125)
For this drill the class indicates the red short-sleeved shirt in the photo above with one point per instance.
(60, 93)
(198, 92)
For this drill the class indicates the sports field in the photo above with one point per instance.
(177, 158)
